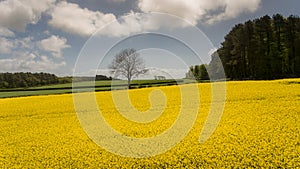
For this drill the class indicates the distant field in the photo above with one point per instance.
(260, 128)
(86, 85)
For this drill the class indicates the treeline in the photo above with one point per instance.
(23, 80)
(264, 48)
(198, 72)
(90, 78)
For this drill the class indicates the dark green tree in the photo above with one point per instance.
(265, 48)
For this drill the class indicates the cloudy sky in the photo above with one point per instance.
(51, 35)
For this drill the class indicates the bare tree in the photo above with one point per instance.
(128, 64)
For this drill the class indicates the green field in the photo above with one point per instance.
(85, 86)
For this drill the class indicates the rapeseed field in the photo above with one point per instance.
(260, 127)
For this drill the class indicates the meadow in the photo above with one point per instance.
(260, 127)
(104, 85)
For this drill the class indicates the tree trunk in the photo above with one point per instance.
(128, 83)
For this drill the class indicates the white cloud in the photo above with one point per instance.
(125, 25)
(187, 9)
(205, 10)
(53, 44)
(70, 17)
(6, 46)
(138, 22)
(29, 62)
(4, 32)
(24, 43)
(233, 8)
(23, 54)
(17, 14)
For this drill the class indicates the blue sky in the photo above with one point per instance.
(51, 35)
